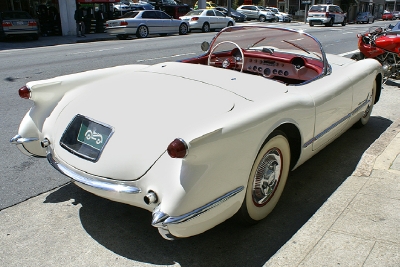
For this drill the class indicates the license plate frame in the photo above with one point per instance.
(86, 137)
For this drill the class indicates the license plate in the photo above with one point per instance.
(114, 24)
(86, 137)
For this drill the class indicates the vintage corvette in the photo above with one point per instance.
(219, 140)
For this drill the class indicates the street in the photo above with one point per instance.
(78, 228)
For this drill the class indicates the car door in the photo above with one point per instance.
(247, 11)
(222, 19)
(339, 14)
(333, 103)
(212, 19)
(166, 24)
(150, 20)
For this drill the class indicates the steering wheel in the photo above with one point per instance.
(228, 62)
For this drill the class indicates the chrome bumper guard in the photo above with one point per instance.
(91, 180)
(162, 220)
(17, 140)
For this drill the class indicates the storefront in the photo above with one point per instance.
(56, 17)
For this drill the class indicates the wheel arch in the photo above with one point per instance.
(294, 138)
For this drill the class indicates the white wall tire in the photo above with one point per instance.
(267, 179)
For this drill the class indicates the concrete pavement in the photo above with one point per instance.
(359, 225)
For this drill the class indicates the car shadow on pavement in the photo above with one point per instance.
(126, 230)
(392, 83)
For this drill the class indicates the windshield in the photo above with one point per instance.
(270, 40)
(194, 13)
(130, 14)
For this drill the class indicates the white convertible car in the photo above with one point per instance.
(211, 136)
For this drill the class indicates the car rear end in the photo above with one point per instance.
(318, 15)
(123, 26)
(18, 23)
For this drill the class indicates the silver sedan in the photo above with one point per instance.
(207, 20)
(144, 22)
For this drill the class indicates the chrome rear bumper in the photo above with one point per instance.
(101, 183)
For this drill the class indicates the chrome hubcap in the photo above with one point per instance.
(267, 177)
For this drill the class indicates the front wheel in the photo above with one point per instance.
(367, 113)
(344, 23)
(311, 24)
(267, 179)
(230, 24)
(262, 18)
(206, 27)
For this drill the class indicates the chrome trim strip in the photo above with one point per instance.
(327, 130)
(91, 180)
(16, 140)
(162, 220)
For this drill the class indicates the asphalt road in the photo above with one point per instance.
(121, 228)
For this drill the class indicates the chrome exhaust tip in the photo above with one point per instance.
(45, 143)
(150, 198)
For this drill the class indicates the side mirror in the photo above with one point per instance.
(205, 46)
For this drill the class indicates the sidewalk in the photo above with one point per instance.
(359, 225)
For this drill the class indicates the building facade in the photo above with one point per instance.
(56, 17)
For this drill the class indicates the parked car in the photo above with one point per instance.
(326, 15)
(282, 17)
(396, 14)
(221, 141)
(365, 17)
(121, 7)
(207, 20)
(18, 23)
(144, 22)
(237, 16)
(387, 16)
(255, 12)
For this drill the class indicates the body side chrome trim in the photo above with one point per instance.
(161, 219)
(327, 130)
(91, 180)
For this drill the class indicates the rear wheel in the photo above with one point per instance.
(267, 179)
(206, 27)
(183, 29)
(142, 32)
(330, 23)
(367, 113)
(344, 22)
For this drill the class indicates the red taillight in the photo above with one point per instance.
(24, 92)
(32, 23)
(124, 23)
(194, 18)
(177, 149)
(6, 24)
